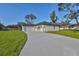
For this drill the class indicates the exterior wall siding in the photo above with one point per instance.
(42, 28)
(51, 28)
(27, 28)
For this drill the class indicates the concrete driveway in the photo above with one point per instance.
(45, 44)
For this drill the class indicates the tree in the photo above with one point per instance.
(72, 13)
(29, 18)
(2, 26)
(20, 24)
(64, 6)
(53, 18)
(12, 27)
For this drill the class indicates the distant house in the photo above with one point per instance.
(62, 27)
(42, 27)
(74, 26)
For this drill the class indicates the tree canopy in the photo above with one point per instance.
(53, 17)
(29, 18)
(72, 12)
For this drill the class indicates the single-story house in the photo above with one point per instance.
(62, 27)
(42, 26)
(74, 26)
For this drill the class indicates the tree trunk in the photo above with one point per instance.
(54, 27)
(77, 21)
(30, 20)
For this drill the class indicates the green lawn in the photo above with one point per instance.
(11, 42)
(69, 33)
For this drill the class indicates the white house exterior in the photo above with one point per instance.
(41, 28)
(27, 28)
(75, 27)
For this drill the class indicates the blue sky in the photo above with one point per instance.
(13, 13)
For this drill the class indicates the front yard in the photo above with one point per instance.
(69, 33)
(11, 42)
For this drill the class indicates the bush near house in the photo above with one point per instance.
(69, 33)
(2, 27)
(8, 27)
(12, 27)
(11, 42)
(20, 24)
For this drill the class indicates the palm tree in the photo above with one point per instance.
(29, 18)
(53, 18)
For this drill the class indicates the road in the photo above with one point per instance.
(45, 44)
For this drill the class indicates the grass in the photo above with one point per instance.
(11, 42)
(69, 33)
